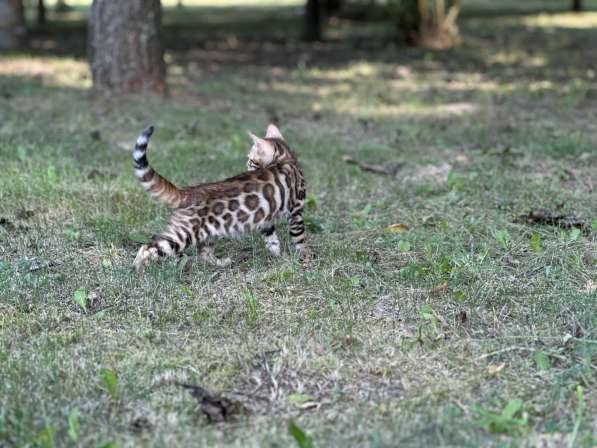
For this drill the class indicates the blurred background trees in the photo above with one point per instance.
(41, 13)
(12, 24)
(428, 23)
(125, 47)
(315, 16)
(313, 19)
(62, 6)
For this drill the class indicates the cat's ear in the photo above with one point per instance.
(262, 149)
(262, 145)
(273, 132)
(257, 141)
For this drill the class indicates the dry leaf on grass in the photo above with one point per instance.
(215, 407)
(398, 228)
(494, 369)
(439, 288)
(303, 401)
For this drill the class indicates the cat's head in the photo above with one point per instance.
(269, 150)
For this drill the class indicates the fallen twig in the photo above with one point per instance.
(216, 408)
(543, 217)
(390, 170)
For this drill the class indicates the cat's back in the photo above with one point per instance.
(244, 183)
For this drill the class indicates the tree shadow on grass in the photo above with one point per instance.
(249, 55)
(215, 39)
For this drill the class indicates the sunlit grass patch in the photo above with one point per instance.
(584, 20)
(49, 71)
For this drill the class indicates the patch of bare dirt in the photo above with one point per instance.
(428, 173)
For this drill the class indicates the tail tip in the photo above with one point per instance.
(143, 139)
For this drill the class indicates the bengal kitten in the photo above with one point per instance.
(272, 189)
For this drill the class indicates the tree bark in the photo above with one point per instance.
(427, 23)
(61, 6)
(312, 30)
(12, 24)
(41, 13)
(577, 5)
(125, 48)
(333, 7)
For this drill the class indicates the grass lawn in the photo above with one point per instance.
(431, 316)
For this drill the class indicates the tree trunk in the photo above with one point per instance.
(12, 24)
(428, 23)
(312, 31)
(61, 6)
(577, 5)
(125, 48)
(332, 7)
(41, 13)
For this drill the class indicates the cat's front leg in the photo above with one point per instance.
(272, 243)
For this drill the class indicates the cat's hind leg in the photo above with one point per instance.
(206, 254)
(296, 229)
(173, 241)
(145, 254)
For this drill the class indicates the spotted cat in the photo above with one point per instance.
(272, 189)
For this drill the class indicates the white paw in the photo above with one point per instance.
(223, 262)
(304, 254)
(274, 249)
(145, 253)
(272, 244)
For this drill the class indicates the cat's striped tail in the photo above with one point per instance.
(154, 184)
